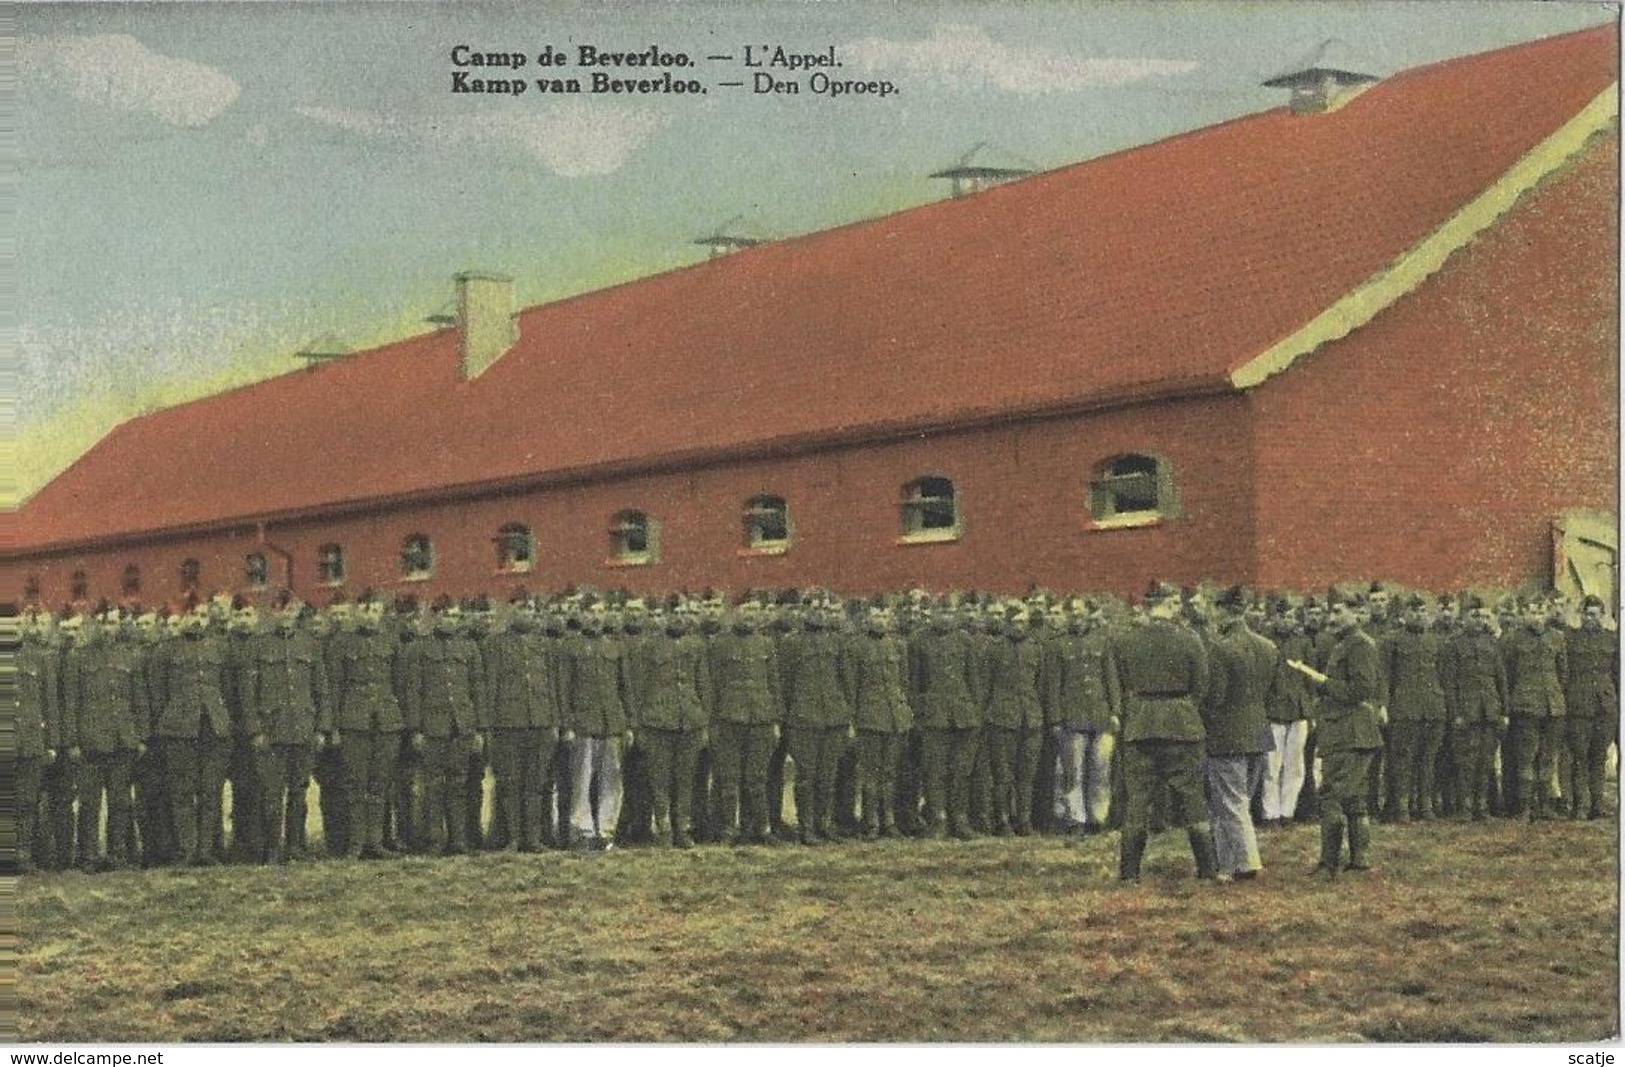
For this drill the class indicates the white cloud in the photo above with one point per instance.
(966, 56)
(119, 71)
(572, 140)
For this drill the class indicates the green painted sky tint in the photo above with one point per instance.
(206, 188)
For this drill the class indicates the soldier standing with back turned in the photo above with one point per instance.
(1245, 671)
(1164, 672)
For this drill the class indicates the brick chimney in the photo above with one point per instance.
(485, 315)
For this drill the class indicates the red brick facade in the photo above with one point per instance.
(1434, 446)
(1022, 492)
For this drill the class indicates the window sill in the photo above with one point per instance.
(1132, 521)
(930, 537)
(763, 550)
(339, 584)
(414, 578)
(629, 561)
(518, 568)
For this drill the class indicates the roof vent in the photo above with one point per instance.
(324, 349)
(485, 311)
(724, 239)
(972, 175)
(1324, 80)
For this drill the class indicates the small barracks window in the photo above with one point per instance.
(256, 570)
(330, 565)
(31, 589)
(767, 523)
(930, 510)
(191, 574)
(131, 585)
(417, 557)
(1131, 488)
(633, 538)
(516, 548)
(78, 585)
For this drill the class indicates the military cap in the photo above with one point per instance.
(1592, 600)
(1233, 599)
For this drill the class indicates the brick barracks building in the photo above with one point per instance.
(1370, 333)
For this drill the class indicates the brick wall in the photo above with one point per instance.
(1023, 504)
(1434, 445)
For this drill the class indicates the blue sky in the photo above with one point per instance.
(205, 189)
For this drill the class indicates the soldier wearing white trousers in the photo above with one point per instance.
(1246, 672)
(595, 762)
(1289, 706)
(1284, 771)
(598, 714)
(1083, 776)
(1081, 694)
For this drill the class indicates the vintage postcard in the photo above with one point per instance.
(560, 522)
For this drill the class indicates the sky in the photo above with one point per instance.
(205, 189)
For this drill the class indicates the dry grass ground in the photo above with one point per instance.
(1502, 932)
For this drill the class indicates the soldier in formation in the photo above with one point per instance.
(958, 715)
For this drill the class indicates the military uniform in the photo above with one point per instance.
(1289, 708)
(1013, 728)
(817, 720)
(673, 712)
(286, 707)
(1164, 672)
(406, 822)
(1536, 665)
(38, 737)
(1476, 691)
(1591, 706)
(1414, 675)
(367, 677)
(1349, 734)
(744, 730)
(105, 690)
(193, 728)
(523, 683)
(153, 818)
(59, 779)
(596, 693)
(1246, 669)
(945, 694)
(445, 710)
(1082, 695)
(470, 798)
(246, 767)
(883, 718)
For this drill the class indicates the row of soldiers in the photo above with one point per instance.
(910, 714)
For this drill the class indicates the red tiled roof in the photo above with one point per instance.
(1149, 271)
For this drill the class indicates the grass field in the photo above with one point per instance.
(1502, 931)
